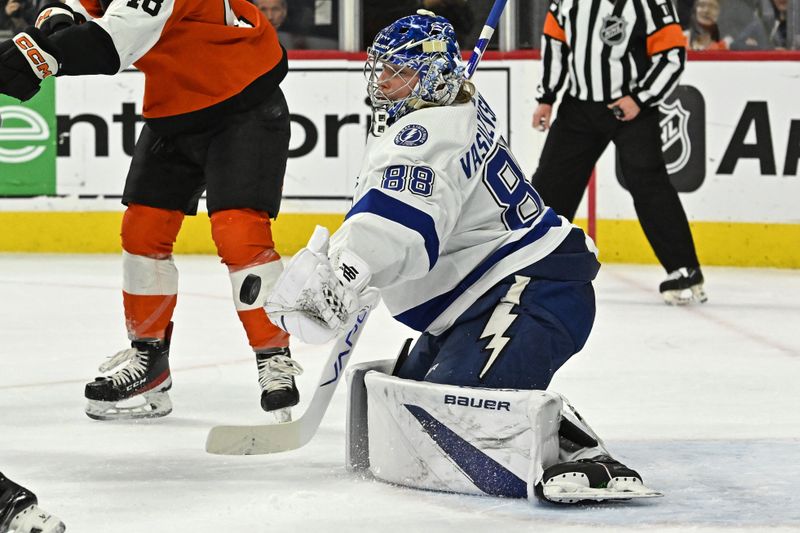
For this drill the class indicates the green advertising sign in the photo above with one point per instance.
(28, 144)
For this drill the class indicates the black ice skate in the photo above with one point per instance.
(683, 286)
(20, 513)
(146, 377)
(591, 480)
(276, 371)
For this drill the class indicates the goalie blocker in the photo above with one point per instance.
(497, 442)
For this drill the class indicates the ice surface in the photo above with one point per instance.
(703, 401)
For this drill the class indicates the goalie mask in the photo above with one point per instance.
(422, 49)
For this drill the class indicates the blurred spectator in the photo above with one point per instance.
(274, 10)
(16, 15)
(735, 15)
(767, 31)
(703, 32)
(380, 13)
(297, 29)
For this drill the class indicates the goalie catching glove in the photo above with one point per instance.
(315, 301)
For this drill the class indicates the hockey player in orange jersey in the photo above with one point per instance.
(215, 120)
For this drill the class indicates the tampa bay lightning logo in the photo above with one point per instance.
(411, 135)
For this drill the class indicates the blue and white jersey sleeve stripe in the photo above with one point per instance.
(395, 228)
(381, 205)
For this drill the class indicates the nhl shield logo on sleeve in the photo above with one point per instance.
(411, 135)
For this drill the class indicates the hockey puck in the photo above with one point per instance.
(251, 287)
(619, 113)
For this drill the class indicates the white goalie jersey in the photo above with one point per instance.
(442, 212)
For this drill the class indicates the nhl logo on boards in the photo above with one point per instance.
(674, 122)
(411, 135)
(682, 120)
(612, 30)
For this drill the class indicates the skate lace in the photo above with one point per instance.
(277, 372)
(137, 367)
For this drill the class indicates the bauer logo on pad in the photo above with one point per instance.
(411, 135)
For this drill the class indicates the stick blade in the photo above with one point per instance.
(286, 436)
(256, 440)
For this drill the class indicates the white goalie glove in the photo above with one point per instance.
(314, 302)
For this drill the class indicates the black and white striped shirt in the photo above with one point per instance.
(608, 49)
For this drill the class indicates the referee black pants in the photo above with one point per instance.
(577, 139)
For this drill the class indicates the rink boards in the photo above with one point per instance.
(731, 137)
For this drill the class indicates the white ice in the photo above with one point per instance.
(703, 401)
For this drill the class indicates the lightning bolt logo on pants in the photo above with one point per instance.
(501, 320)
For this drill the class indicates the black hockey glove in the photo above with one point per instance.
(25, 60)
(55, 17)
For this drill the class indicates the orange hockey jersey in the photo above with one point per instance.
(197, 55)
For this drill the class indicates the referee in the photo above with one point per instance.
(619, 59)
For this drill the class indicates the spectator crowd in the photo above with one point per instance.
(735, 24)
(16, 15)
(313, 24)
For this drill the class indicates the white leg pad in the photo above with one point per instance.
(357, 437)
(252, 285)
(448, 438)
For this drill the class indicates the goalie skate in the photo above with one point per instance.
(139, 390)
(683, 286)
(592, 480)
(276, 373)
(19, 512)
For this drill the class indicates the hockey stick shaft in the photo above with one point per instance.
(485, 36)
(273, 438)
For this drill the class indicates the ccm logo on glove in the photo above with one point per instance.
(42, 63)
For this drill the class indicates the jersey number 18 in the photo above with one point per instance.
(151, 7)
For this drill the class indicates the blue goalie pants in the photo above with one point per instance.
(521, 331)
